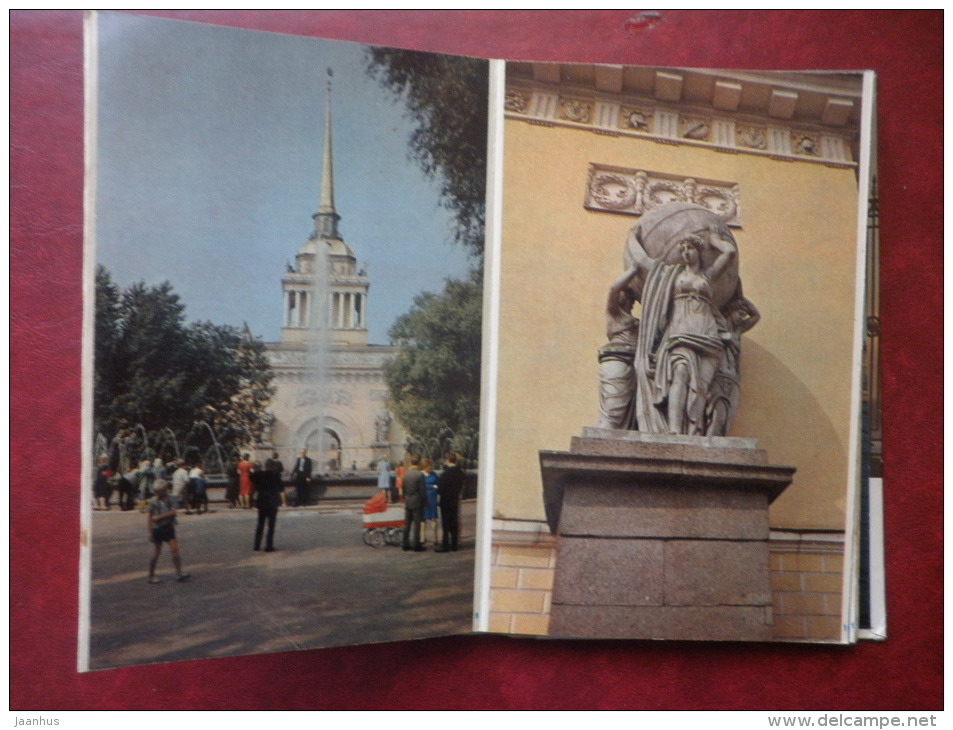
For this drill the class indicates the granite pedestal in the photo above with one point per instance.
(661, 537)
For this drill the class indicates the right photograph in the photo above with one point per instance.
(680, 376)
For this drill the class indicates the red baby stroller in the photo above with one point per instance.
(383, 523)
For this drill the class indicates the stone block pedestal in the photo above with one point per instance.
(661, 537)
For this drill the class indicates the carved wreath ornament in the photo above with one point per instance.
(634, 192)
(615, 192)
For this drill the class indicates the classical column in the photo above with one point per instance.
(292, 308)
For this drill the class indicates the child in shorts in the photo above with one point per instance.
(161, 526)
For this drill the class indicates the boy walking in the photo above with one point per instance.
(161, 525)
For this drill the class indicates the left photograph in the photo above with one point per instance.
(284, 288)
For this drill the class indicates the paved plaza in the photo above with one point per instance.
(322, 587)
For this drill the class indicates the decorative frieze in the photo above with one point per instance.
(288, 358)
(752, 137)
(334, 396)
(515, 101)
(697, 128)
(308, 376)
(639, 120)
(634, 192)
(776, 136)
(806, 144)
(575, 110)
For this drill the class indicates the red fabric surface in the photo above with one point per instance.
(490, 672)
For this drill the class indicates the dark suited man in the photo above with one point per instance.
(415, 499)
(449, 492)
(268, 490)
(301, 475)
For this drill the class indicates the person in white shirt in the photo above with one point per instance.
(180, 484)
(198, 486)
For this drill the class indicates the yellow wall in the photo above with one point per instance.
(797, 251)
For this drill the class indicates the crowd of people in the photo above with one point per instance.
(160, 489)
(429, 499)
(134, 487)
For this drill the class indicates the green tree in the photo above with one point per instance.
(434, 379)
(155, 371)
(107, 318)
(236, 387)
(447, 97)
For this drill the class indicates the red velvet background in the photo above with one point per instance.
(489, 672)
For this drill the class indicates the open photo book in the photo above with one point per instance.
(383, 345)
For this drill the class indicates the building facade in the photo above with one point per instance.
(589, 149)
(330, 397)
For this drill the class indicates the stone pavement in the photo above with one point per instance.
(322, 587)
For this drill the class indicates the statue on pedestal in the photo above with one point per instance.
(382, 426)
(267, 429)
(682, 265)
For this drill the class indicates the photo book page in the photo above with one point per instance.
(383, 345)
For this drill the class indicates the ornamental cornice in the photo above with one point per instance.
(782, 117)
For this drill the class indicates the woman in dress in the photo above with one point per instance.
(245, 469)
(399, 481)
(430, 510)
(682, 338)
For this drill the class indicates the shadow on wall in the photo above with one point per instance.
(794, 427)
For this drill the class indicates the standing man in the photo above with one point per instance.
(268, 487)
(415, 499)
(280, 468)
(449, 491)
(301, 474)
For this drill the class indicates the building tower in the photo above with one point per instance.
(347, 287)
(337, 411)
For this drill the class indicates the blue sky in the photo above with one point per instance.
(208, 166)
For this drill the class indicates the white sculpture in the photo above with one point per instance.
(683, 376)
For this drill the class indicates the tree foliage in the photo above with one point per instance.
(155, 371)
(447, 97)
(434, 379)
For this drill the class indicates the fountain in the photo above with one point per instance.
(212, 459)
(436, 446)
(125, 449)
(131, 446)
(167, 446)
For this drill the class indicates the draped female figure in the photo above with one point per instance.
(682, 337)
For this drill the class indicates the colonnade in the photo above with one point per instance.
(346, 309)
(297, 308)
